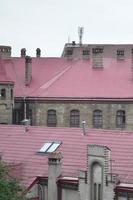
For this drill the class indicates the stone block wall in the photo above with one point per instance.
(6, 105)
(86, 108)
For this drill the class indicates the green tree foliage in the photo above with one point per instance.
(9, 187)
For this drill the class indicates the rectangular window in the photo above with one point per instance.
(69, 52)
(3, 94)
(49, 147)
(51, 118)
(120, 119)
(97, 50)
(74, 118)
(120, 54)
(97, 119)
(86, 52)
(18, 116)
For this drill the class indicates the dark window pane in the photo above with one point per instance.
(3, 94)
(120, 119)
(51, 118)
(11, 93)
(95, 191)
(99, 192)
(74, 118)
(69, 52)
(86, 52)
(17, 116)
(97, 119)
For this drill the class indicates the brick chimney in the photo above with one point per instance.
(38, 53)
(5, 51)
(28, 70)
(101, 179)
(54, 171)
(97, 57)
(23, 53)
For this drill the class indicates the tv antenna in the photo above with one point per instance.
(80, 33)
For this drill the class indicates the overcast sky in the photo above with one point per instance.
(48, 24)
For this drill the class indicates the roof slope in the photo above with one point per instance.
(62, 78)
(20, 148)
(3, 75)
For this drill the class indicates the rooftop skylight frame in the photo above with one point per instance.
(49, 147)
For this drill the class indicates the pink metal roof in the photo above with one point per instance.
(62, 78)
(3, 75)
(19, 148)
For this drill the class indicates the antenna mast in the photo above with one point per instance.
(80, 33)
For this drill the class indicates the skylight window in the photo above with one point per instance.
(49, 147)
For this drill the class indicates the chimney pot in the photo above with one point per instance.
(38, 52)
(23, 52)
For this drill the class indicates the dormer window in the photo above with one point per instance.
(120, 54)
(3, 94)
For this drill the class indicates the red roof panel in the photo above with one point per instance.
(59, 77)
(20, 148)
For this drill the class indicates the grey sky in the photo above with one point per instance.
(47, 24)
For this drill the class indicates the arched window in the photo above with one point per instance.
(97, 119)
(97, 181)
(3, 94)
(74, 118)
(120, 119)
(51, 118)
(40, 192)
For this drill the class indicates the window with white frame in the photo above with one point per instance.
(49, 147)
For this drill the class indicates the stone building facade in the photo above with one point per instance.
(102, 105)
(97, 114)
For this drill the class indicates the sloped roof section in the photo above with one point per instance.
(63, 78)
(21, 149)
(4, 78)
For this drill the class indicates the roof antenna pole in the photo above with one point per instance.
(84, 127)
(80, 33)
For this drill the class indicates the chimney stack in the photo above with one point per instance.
(28, 70)
(23, 53)
(54, 171)
(97, 57)
(38, 53)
